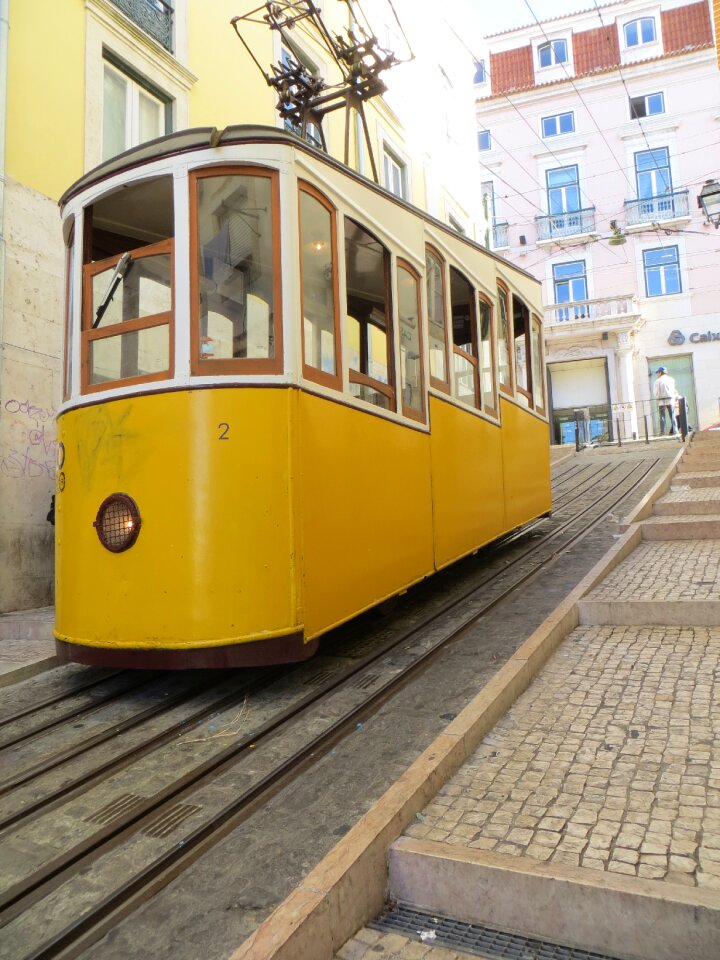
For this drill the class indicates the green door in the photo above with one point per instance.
(681, 370)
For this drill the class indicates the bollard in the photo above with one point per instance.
(647, 431)
(617, 425)
(577, 433)
(682, 417)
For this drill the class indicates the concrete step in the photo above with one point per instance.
(589, 909)
(681, 528)
(709, 438)
(28, 624)
(679, 503)
(699, 458)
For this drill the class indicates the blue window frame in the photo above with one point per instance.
(558, 123)
(647, 106)
(480, 76)
(553, 52)
(652, 173)
(639, 31)
(662, 271)
(563, 190)
(484, 140)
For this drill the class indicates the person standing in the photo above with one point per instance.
(665, 393)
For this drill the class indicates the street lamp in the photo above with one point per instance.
(709, 202)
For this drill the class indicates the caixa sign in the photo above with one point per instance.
(677, 337)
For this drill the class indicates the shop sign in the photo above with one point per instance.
(677, 337)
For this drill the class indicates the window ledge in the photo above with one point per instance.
(570, 142)
(660, 123)
(573, 239)
(653, 226)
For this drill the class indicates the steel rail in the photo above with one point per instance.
(58, 698)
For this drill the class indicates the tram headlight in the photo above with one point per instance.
(118, 522)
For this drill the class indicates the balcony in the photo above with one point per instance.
(499, 235)
(668, 206)
(558, 226)
(152, 16)
(609, 312)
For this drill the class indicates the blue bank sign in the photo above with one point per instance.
(677, 337)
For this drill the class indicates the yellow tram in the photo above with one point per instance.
(288, 396)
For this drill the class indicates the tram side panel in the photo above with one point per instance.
(366, 510)
(467, 480)
(213, 562)
(526, 465)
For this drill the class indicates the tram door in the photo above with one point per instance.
(681, 370)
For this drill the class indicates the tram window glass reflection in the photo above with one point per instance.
(435, 283)
(369, 328)
(128, 290)
(487, 358)
(538, 381)
(462, 307)
(236, 268)
(318, 270)
(411, 372)
(521, 350)
(504, 370)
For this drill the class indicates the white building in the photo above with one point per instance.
(596, 133)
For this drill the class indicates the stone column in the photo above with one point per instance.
(626, 384)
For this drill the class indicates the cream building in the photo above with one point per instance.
(80, 81)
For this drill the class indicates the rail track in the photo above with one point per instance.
(94, 823)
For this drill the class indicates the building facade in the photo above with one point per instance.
(82, 80)
(596, 133)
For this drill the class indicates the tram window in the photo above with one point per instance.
(369, 327)
(487, 358)
(144, 291)
(411, 372)
(238, 301)
(504, 369)
(437, 332)
(318, 268)
(465, 363)
(538, 381)
(137, 215)
(137, 353)
(521, 349)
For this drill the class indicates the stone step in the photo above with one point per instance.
(681, 528)
(680, 504)
(28, 624)
(699, 464)
(706, 438)
(591, 910)
(707, 478)
(650, 613)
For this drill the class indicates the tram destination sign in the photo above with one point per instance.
(677, 337)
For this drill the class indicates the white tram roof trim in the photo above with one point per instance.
(200, 138)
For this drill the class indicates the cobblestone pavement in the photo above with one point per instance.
(666, 571)
(609, 761)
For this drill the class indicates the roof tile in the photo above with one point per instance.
(511, 70)
(596, 49)
(686, 26)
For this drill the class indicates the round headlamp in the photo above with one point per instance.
(118, 522)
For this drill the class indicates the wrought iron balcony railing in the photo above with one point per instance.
(608, 308)
(668, 206)
(566, 224)
(152, 16)
(500, 235)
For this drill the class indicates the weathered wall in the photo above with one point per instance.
(30, 382)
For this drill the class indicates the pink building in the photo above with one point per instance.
(596, 133)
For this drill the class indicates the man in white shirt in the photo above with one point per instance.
(665, 393)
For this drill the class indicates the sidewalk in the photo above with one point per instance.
(590, 814)
(27, 646)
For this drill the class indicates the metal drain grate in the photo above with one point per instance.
(364, 683)
(167, 821)
(115, 809)
(321, 677)
(474, 939)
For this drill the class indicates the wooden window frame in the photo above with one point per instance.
(507, 389)
(419, 415)
(90, 335)
(334, 381)
(540, 408)
(443, 385)
(69, 267)
(528, 394)
(363, 379)
(491, 411)
(235, 365)
(474, 360)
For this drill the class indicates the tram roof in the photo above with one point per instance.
(199, 138)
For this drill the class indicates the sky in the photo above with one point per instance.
(491, 16)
